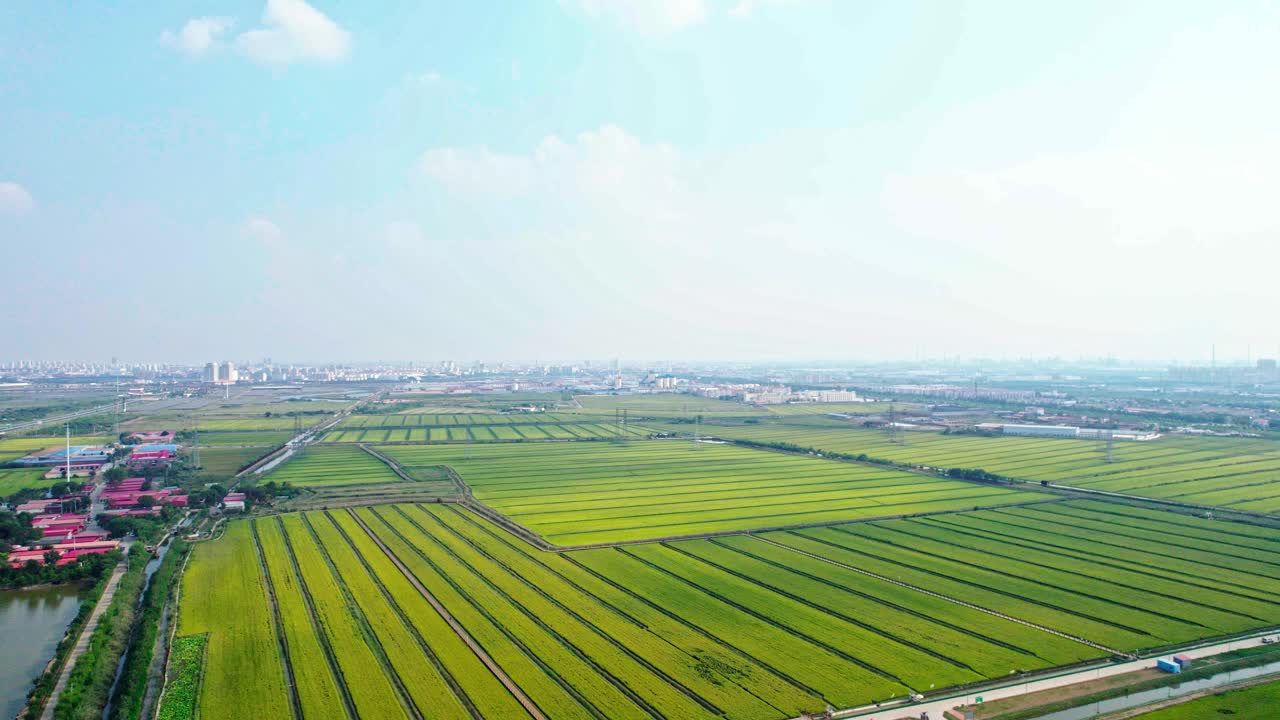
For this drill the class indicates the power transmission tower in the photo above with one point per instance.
(892, 431)
(1111, 446)
(195, 446)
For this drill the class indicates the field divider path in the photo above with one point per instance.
(294, 702)
(1106, 494)
(950, 599)
(457, 628)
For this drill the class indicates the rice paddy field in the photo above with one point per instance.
(515, 432)
(13, 480)
(582, 493)
(1123, 577)
(424, 419)
(223, 462)
(1235, 473)
(245, 438)
(321, 466)
(431, 611)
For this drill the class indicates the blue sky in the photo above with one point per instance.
(643, 178)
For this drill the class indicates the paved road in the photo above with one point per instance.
(86, 633)
(935, 708)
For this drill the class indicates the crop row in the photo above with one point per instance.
(1123, 577)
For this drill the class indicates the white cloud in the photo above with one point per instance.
(294, 31)
(606, 170)
(648, 15)
(198, 35)
(264, 231)
(15, 199)
(405, 238)
(478, 170)
(746, 8)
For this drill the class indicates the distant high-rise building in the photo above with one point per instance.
(229, 372)
(211, 372)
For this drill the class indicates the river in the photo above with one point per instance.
(32, 621)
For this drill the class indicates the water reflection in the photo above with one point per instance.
(31, 623)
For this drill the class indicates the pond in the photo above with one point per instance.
(32, 622)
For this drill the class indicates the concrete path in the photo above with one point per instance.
(935, 707)
(86, 633)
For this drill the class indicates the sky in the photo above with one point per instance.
(700, 179)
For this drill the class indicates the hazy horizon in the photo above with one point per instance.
(739, 179)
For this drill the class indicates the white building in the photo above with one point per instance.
(835, 396)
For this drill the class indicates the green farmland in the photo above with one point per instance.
(332, 466)
(451, 419)
(1235, 473)
(225, 461)
(247, 438)
(694, 630)
(13, 480)
(1118, 576)
(583, 493)
(275, 422)
(430, 610)
(514, 432)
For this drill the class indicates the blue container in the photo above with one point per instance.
(1168, 666)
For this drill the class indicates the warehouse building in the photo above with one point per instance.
(1056, 431)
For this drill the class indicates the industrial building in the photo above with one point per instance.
(1057, 431)
(81, 456)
